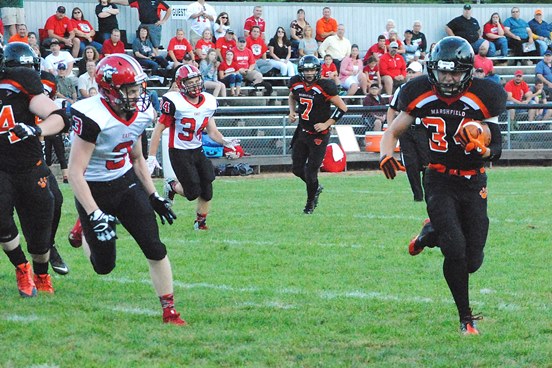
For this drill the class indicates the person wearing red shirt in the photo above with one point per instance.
(377, 49)
(259, 48)
(372, 71)
(519, 93)
(245, 61)
(229, 75)
(225, 43)
(84, 31)
(392, 69)
(329, 70)
(325, 26)
(113, 45)
(204, 44)
(21, 36)
(255, 20)
(60, 27)
(178, 48)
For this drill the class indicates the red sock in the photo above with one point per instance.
(200, 217)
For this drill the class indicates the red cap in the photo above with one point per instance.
(518, 72)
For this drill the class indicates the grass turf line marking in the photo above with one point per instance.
(20, 318)
(134, 310)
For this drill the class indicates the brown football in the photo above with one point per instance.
(479, 130)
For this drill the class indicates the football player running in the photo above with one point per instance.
(312, 97)
(110, 178)
(455, 181)
(188, 112)
(24, 178)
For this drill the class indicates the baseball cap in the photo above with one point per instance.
(62, 66)
(394, 45)
(374, 85)
(479, 70)
(61, 9)
(393, 30)
(230, 31)
(467, 7)
(241, 39)
(548, 52)
(408, 31)
(54, 41)
(415, 66)
(518, 72)
(538, 12)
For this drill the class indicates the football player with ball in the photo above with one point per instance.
(451, 105)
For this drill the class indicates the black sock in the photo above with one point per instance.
(16, 256)
(457, 277)
(40, 268)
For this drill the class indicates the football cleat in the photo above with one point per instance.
(317, 195)
(468, 326)
(414, 247)
(44, 283)
(170, 316)
(57, 263)
(75, 235)
(309, 208)
(25, 283)
(168, 191)
(200, 225)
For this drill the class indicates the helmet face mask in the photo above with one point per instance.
(309, 69)
(189, 81)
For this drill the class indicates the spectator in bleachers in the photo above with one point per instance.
(229, 74)
(178, 48)
(374, 120)
(394, 37)
(204, 44)
(543, 72)
(279, 51)
(12, 15)
(60, 27)
(255, 20)
(21, 35)
(84, 31)
(371, 70)
(297, 30)
(209, 70)
(377, 49)
(149, 13)
(200, 16)
(145, 53)
(520, 36)
(93, 91)
(113, 45)
(32, 39)
(419, 38)
(308, 45)
(389, 25)
(326, 26)
(66, 84)
(107, 19)
(493, 31)
(481, 61)
(228, 42)
(338, 46)
(222, 24)
(392, 69)
(541, 31)
(329, 70)
(258, 47)
(539, 97)
(411, 51)
(351, 75)
(87, 80)
(89, 54)
(58, 57)
(519, 93)
(468, 28)
(245, 61)
(44, 64)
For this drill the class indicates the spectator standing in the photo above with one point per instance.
(204, 44)
(200, 16)
(106, 12)
(245, 61)
(60, 27)
(392, 69)
(87, 80)
(113, 45)
(255, 20)
(149, 13)
(481, 61)
(58, 57)
(468, 28)
(419, 38)
(519, 93)
(308, 45)
(351, 75)
(329, 70)
(374, 120)
(258, 47)
(520, 36)
(178, 48)
(541, 31)
(222, 24)
(377, 49)
(493, 31)
(209, 71)
(326, 26)
(145, 53)
(338, 46)
(22, 34)
(543, 72)
(228, 42)
(279, 51)
(229, 74)
(13, 14)
(84, 31)
(297, 30)
(89, 54)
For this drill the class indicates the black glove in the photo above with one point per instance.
(163, 208)
(103, 225)
(24, 131)
(389, 165)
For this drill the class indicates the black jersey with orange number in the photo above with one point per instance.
(442, 117)
(17, 87)
(314, 104)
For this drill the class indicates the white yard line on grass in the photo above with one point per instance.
(134, 310)
(20, 318)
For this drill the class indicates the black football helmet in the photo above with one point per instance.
(451, 54)
(20, 54)
(309, 62)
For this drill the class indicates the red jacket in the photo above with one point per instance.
(392, 65)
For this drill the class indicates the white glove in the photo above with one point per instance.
(152, 164)
(231, 144)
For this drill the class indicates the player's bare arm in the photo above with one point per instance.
(43, 107)
(292, 108)
(81, 152)
(390, 137)
(141, 168)
(156, 138)
(341, 109)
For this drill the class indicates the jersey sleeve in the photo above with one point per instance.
(86, 128)
(493, 97)
(330, 88)
(26, 80)
(168, 110)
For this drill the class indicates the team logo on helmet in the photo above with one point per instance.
(108, 72)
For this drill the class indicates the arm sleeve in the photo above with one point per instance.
(84, 127)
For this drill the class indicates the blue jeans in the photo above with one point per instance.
(500, 44)
(94, 44)
(232, 80)
(492, 48)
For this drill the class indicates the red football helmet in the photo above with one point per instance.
(115, 74)
(185, 83)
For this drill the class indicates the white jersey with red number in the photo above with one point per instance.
(186, 120)
(95, 122)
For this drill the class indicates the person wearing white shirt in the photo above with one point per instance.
(87, 80)
(337, 46)
(200, 16)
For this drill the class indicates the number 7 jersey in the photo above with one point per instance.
(186, 120)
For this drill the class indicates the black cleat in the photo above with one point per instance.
(309, 208)
(317, 195)
(57, 263)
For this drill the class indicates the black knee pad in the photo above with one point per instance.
(193, 192)
(207, 192)
(298, 171)
(102, 268)
(475, 262)
(156, 251)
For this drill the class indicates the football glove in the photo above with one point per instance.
(163, 208)
(103, 225)
(470, 143)
(389, 165)
(152, 164)
(24, 131)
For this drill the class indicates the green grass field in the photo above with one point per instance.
(267, 286)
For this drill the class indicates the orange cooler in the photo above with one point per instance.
(372, 142)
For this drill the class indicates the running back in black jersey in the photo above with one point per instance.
(17, 87)
(315, 95)
(442, 117)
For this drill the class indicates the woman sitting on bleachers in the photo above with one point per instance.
(308, 45)
(204, 44)
(229, 75)
(351, 74)
(89, 54)
(144, 52)
(279, 52)
(84, 31)
(209, 70)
